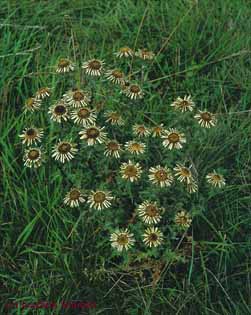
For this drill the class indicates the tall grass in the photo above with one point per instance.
(49, 254)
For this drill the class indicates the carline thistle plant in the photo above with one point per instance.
(148, 161)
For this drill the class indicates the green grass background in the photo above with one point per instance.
(205, 51)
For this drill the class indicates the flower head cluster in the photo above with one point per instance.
(111, 139)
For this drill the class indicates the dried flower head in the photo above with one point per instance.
(93, 134)
(32, 104)
(84, 116)
(93, 67)
(135, 147)
(173, 139)
(74, 198)
(114, 118)
(152, 237)
(206, 119)
(77, 98)
(133, 91)
(216, 179)
(130, 171)
(100, 199)
(122, 239)
(113, 148)
(145, 54)
(33, 157)
(43, 93)
(64, 151)
(183, 173)
(124, 52)
(192, 187)
(31, 135)
(183, 219)
(141, 130)
(158, 131)
(160, 176)
(115, 76)
(65, 65)
(183, 104)
(125, 86)
(149, 212)
(59, 112)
